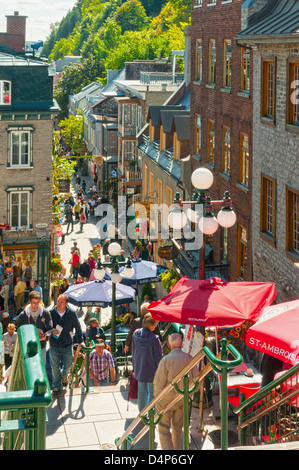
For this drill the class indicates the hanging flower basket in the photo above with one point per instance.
(56, 265)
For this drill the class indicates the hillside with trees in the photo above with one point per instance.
(109, 33)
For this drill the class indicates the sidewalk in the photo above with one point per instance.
(78, 421)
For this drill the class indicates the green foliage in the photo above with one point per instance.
(75, 77)
(72, 132)
(169, 278)
(131, 16)
(107, 33)
(147, 290)
(61, 167)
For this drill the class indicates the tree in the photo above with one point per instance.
(74, 78)
(72, 132)
(61, 167)
(131, 16)
(51, 40)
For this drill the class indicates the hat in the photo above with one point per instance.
(92, 320)
(100, 342)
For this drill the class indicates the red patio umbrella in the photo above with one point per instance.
(277, 332)
(213, 302)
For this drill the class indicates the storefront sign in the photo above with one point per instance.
(112, 180)
(98, 159)
(41, 225)
(167, 252)
(64, 185)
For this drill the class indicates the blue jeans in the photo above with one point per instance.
(145, 394)
(75, 272)
(56, 356)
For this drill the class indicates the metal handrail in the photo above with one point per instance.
(263, 416)
(265, 390)
(193, 362)
(199, 377)
(28, 395)
(164, 392)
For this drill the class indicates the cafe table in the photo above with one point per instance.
(238, 376)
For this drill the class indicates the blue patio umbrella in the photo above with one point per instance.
(145, 272)
(99, 294)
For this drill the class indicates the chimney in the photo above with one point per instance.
(16, 30)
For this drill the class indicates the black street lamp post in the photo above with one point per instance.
(114, 250)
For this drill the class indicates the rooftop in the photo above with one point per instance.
(278, 18)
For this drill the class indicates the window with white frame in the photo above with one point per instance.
(19, 147)
(20, 207)
(5, 92)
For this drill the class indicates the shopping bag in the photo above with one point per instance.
(133, 389)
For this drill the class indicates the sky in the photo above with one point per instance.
(40, 14)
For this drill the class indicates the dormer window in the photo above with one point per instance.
(5, 92)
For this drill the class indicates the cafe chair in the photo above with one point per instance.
(248, 392)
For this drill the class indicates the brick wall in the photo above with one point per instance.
(275, 149)
(15, 36)
(222, 21)
(36, 176)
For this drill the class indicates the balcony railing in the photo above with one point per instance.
(133, 175)
(159, 78)
(127, 129)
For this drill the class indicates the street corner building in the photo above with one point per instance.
(26, 126)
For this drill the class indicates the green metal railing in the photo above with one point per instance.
(1, 366)
(223, 367)
(150, 422)
(271, 415)
(23, 406)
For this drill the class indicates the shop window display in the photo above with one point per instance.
(20, 263)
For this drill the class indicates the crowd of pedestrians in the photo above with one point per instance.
(61, 333)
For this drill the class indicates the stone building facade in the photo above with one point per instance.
(275, 166)
(26, 129)
(221, 117)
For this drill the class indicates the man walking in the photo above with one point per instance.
(38, 288)
(65, 321)
(146, 355)
(35, 314)
(168, 368)
(19, 293)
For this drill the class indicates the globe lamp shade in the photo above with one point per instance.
(99, 274)
(226, 218)
(202, 178)
(116, 277)
(208, 225)
(177, 219)
(128, 272)
(114, 249)
(192, 215)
